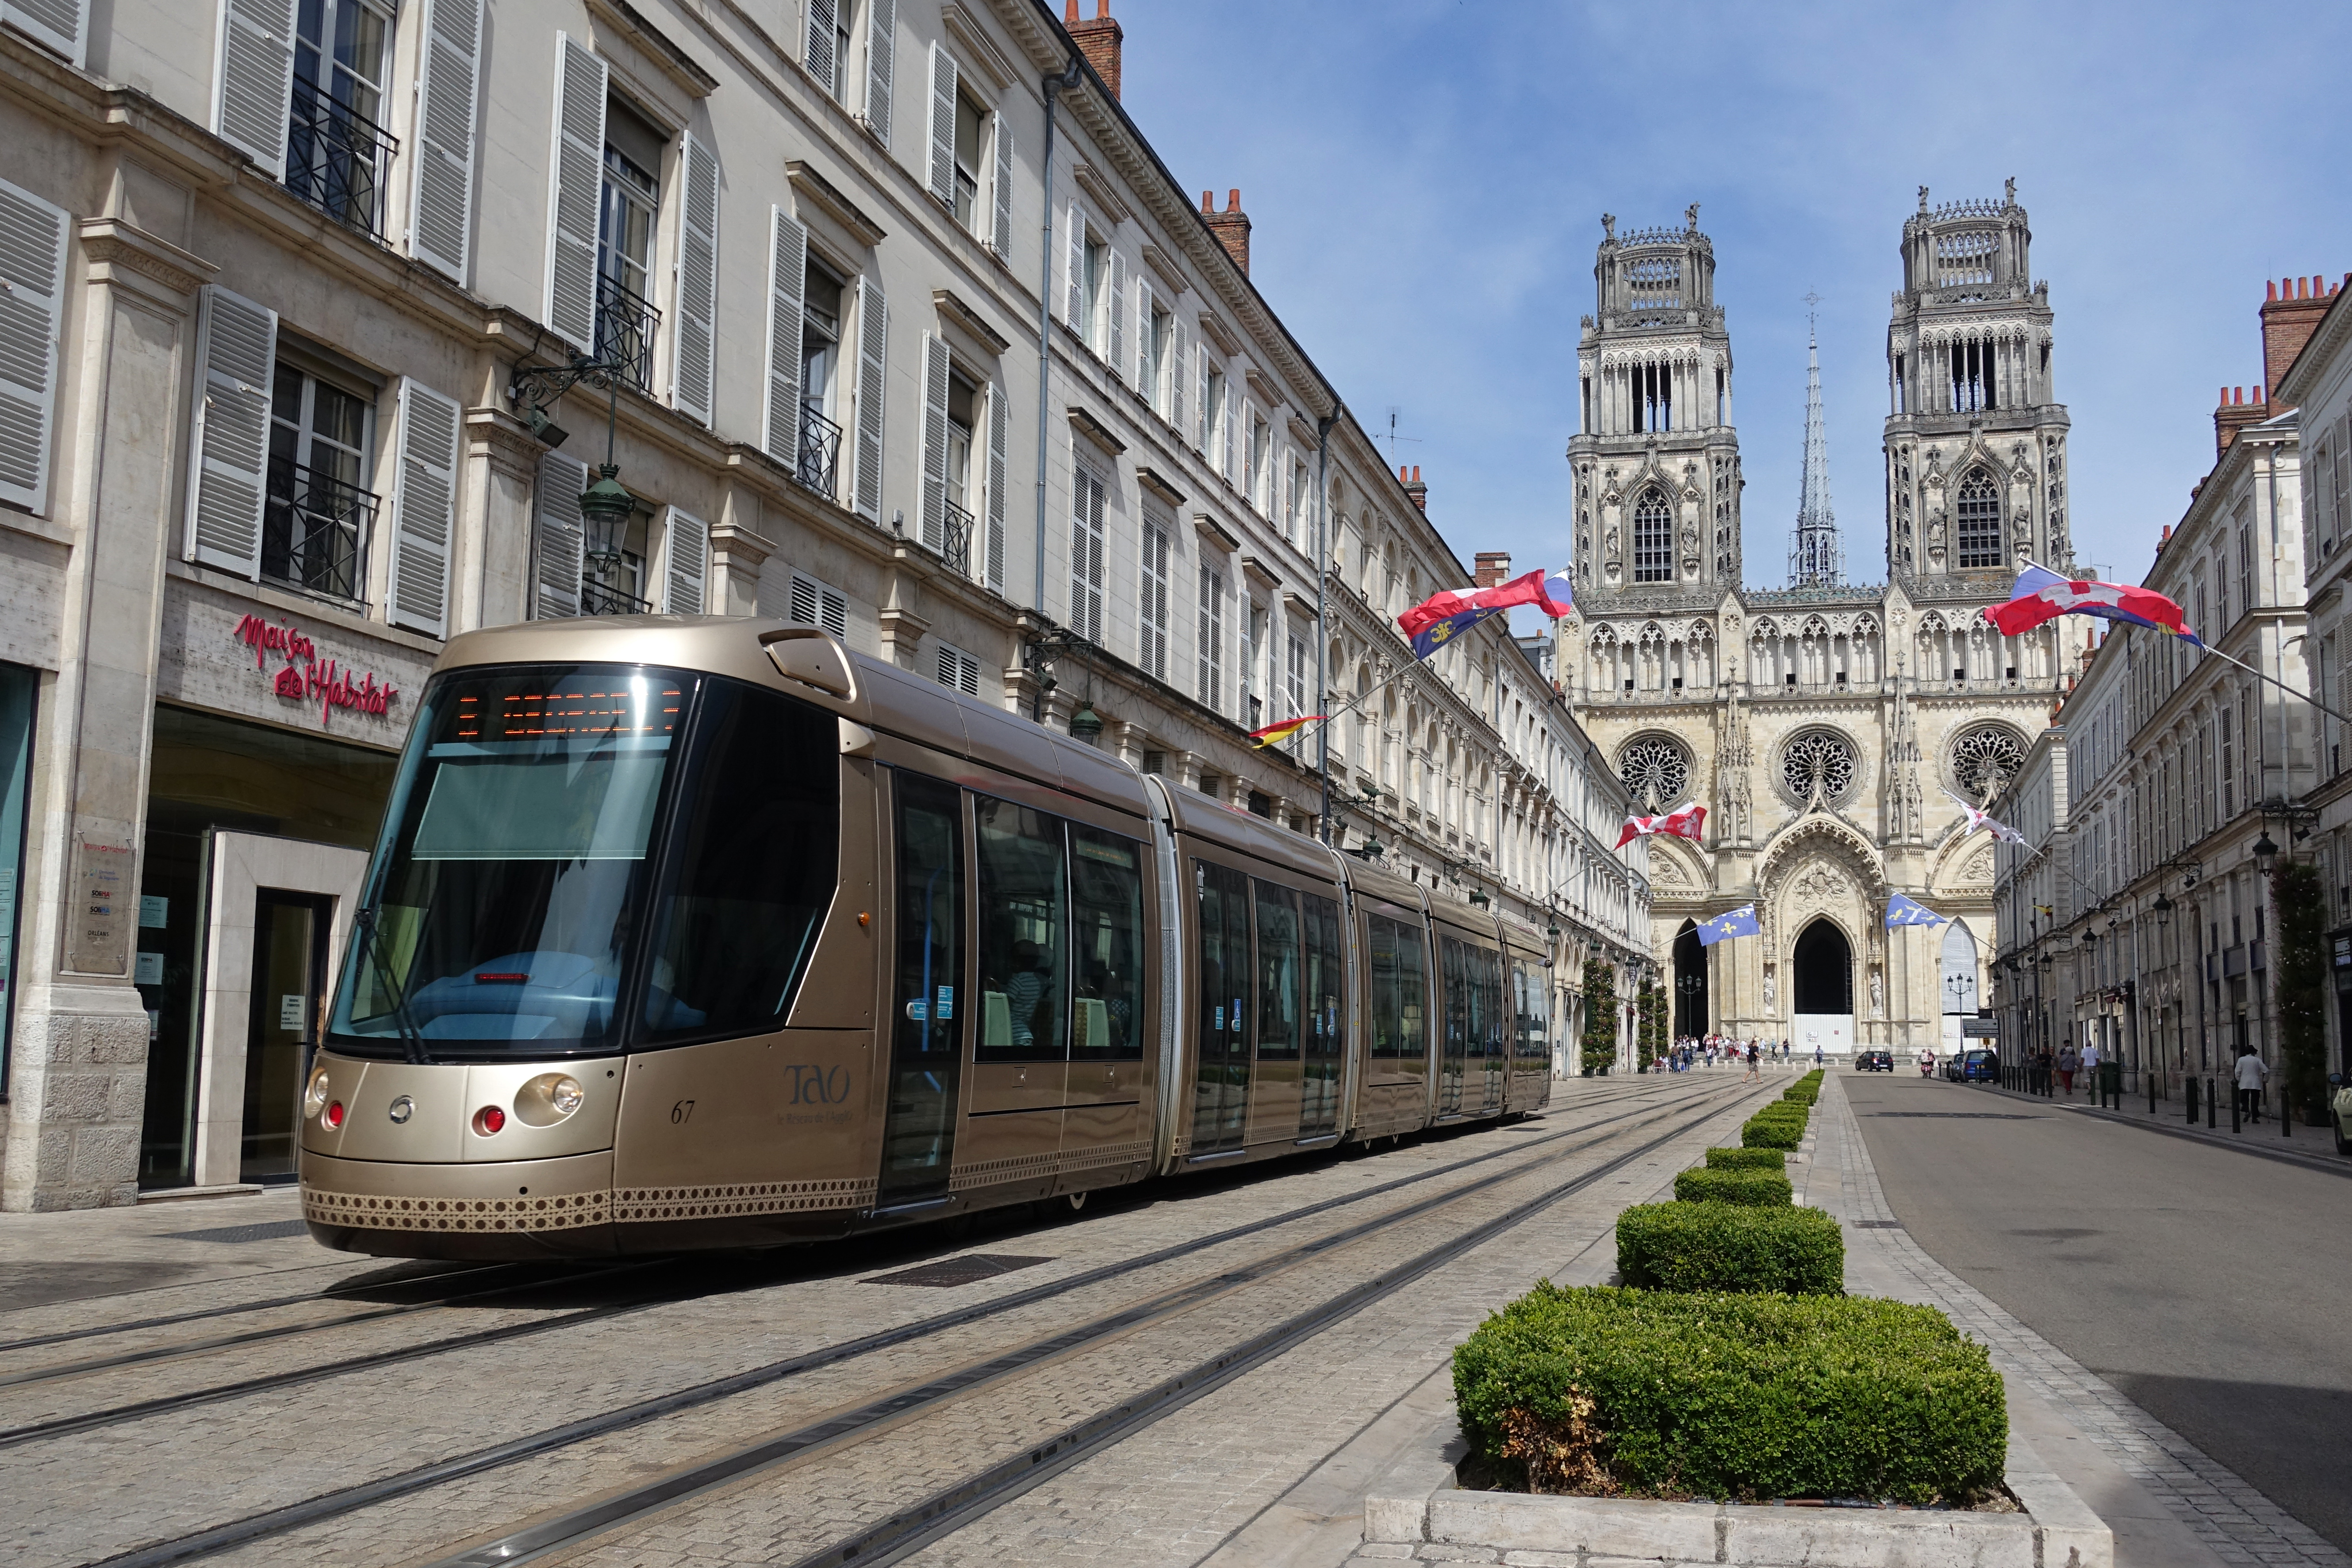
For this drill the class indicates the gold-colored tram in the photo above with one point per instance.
(702, 932)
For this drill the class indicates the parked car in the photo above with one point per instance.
(1873, 1061)
(2340, 1120)
(1977, 1066)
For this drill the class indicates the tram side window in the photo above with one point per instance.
(1491, 1036)
(1277, 972)
(1023, 899)
(1326, 975)
(1400, 987)
(1535, 1021)
(1107, 934)
(752, 867)
(1458, 997)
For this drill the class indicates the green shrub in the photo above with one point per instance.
(1746, 1160)
(1725, 1246)
(1760, 1189)
(1654, 1393)
(1774, 1132)
(1802, 1094)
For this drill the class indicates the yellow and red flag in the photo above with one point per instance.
(1281, 730)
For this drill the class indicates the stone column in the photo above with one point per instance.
(490, 577)
(739, 554)
(80, 1069)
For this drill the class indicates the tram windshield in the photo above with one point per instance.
(514, 907)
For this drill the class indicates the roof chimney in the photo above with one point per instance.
(2290, 315)
(1492, 568)
(1415, 488)
(1232, 227)
(1098, 40)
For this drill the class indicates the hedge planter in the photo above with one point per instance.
(1754, 1189)
(1730, 1247)
(1746, 1160)
(1612, 1392)
(1772, 1132)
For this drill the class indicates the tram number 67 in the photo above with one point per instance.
(681, 1113)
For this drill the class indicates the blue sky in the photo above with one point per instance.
(1425, 179)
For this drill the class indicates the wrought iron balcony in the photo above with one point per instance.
(626, 324)
(314, 528)
(820, 453)
(955, 537)
(599, 599)
(336, 158)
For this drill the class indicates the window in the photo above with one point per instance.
(1152, 609)
(1086, 551)
(971, 130)
(1254, 476)
(1094, 304)
(1400, 987)
(1213, 412)
(1024, 892)
(1277, 968)
(629, 203)
(815, 604)
(318, 512)
(336, 148)
(1209, 689)
(1654, 538)
(1979, 519)
(823, 297)
(1297, 677)
(1157, 335)
(828, 44)
(1255, 678)
(958, 671)
(1107, 947)
(614, 584)
(2245, 566)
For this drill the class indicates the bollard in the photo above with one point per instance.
(2151, 1093)
(2193, 1102)
(2286, 1112)
(2237, 1109)
(2211, 1110)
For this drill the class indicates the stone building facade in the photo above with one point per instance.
(1827, 726)
(286, 287)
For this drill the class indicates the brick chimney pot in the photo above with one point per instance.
(1231, 227)
(1098, 40)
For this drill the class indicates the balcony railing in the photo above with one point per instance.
(597, 598)
(313, 529)
(336, 158)
(955, 537)
(626, 324)
(820, 453)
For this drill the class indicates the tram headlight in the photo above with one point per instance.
(314, 1098)
(549, 1099)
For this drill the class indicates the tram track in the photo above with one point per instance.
(844, 1428)
(232, 1308)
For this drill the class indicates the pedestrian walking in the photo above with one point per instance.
(1817, 1053)
(2089, 1058)
(2251, 1073)
(2068, 1062)
(1754, 1075)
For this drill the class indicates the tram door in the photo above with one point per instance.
(1493, 1026)
(1326, 1045)
(1453, 1059)
(1221, 1072)
(918, 1128)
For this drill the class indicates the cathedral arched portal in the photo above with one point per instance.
(1823, 966)
(1690, 984)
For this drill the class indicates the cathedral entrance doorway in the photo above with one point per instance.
(1822, 969)
(1690, 984)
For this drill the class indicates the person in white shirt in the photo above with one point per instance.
(2251, 1073)
(2090, 1059)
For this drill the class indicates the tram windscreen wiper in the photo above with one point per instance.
(412, 1041)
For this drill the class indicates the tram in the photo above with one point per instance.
(704, 931)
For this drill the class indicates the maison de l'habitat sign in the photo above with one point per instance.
(307, 678)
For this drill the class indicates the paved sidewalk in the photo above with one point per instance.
(2311, 1146)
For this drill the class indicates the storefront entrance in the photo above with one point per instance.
(289, 983)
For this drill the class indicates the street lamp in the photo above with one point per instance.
(2266, 853)
(2163, 908)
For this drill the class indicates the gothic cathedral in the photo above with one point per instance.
(1827, 726)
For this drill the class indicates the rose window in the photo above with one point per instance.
(1656, 772)
(1984, 759)
(1818, 768)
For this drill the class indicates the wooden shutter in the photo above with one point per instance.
(787, 281)
(32, 312)
(62, 25)
(236, 350)
(693, 344)
(935, 439)
(1000, 191)
(1143, 382)
(576, 187)
(559, 539)
(1229, 429)
(881, 61)
(1076, 308)
(943, 125)
(441, 202)
(1178, 356)
(253, 81)
(424, 511)
(1201, 437)
(999, 417)
(1115, 349)
(958, 671)
(823, 18)
(814, 605)
(685, 563)
(873, 334)
(1086, 551)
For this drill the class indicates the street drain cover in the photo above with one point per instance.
(969, 1269)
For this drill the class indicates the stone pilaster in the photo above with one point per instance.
(491, 578)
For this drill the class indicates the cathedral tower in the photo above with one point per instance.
(1655, 461)
(1976, 438)
(1816, 560)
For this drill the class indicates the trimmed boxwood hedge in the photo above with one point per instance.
(1654, 1393)
(1754, 1189)
(1774, 1132)
(1746, 1160)
(1800, 1094)
(1727, 1247)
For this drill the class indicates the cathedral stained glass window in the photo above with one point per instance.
(1817, 767)
(1979, 521)
(1654, 538)
(1656, 772)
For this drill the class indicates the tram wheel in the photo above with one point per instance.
(1076, 1200)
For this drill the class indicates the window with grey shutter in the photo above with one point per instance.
(424, 511)
(1115, 350)
(1178, 368)
(693, 344)
(253, 80)
(1000, 191)
(1146, 364)
(1075, 308)
(958, 671)
(32, 311)
(872, 335)
(237, 350)
(943, 125)
(1228, 421)
(576, 187)
(686, 561)
(935, 440)
(1152, 609)
(1210, 646)
(441, 202)
(787, 282)
(821, 55)
(810, 603)
(61, 25)
(558, 538)
(999, 417)
(1086, 551)
(881, 59)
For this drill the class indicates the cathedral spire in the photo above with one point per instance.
(1815, 560)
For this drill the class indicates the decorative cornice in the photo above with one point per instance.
(819, 193)
(1153, 480)
(1212, 532)
(1160, 262)
(954, 310)
(1105, 194)
(664, 55)
(965, 29)
(110, 242)
(1216, 331)
(1095, 430)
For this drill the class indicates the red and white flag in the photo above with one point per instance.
(1683, 822)
(1978, 819)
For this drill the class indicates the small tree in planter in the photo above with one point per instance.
(1599, 1045)
(1645, 1049)
(2302, 975)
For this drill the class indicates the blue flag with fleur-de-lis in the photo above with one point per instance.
(1740, 921)
(1902, 912)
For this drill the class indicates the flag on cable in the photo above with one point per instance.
(1444, 614)
(1683, 822)
(1902, 912)
(1274, 734)
(1740, 921)
(2041, 594)
(1978, 819)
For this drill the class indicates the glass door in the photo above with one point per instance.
(1455, 1060)
(926, 1053)
(289, 965)
(1318, 1108)
(1222, 1070)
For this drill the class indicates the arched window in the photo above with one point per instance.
(1654, 538)
(1979, 521)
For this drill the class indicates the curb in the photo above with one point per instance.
(2331, 1164)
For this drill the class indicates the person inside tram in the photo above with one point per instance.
(1026, 990)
